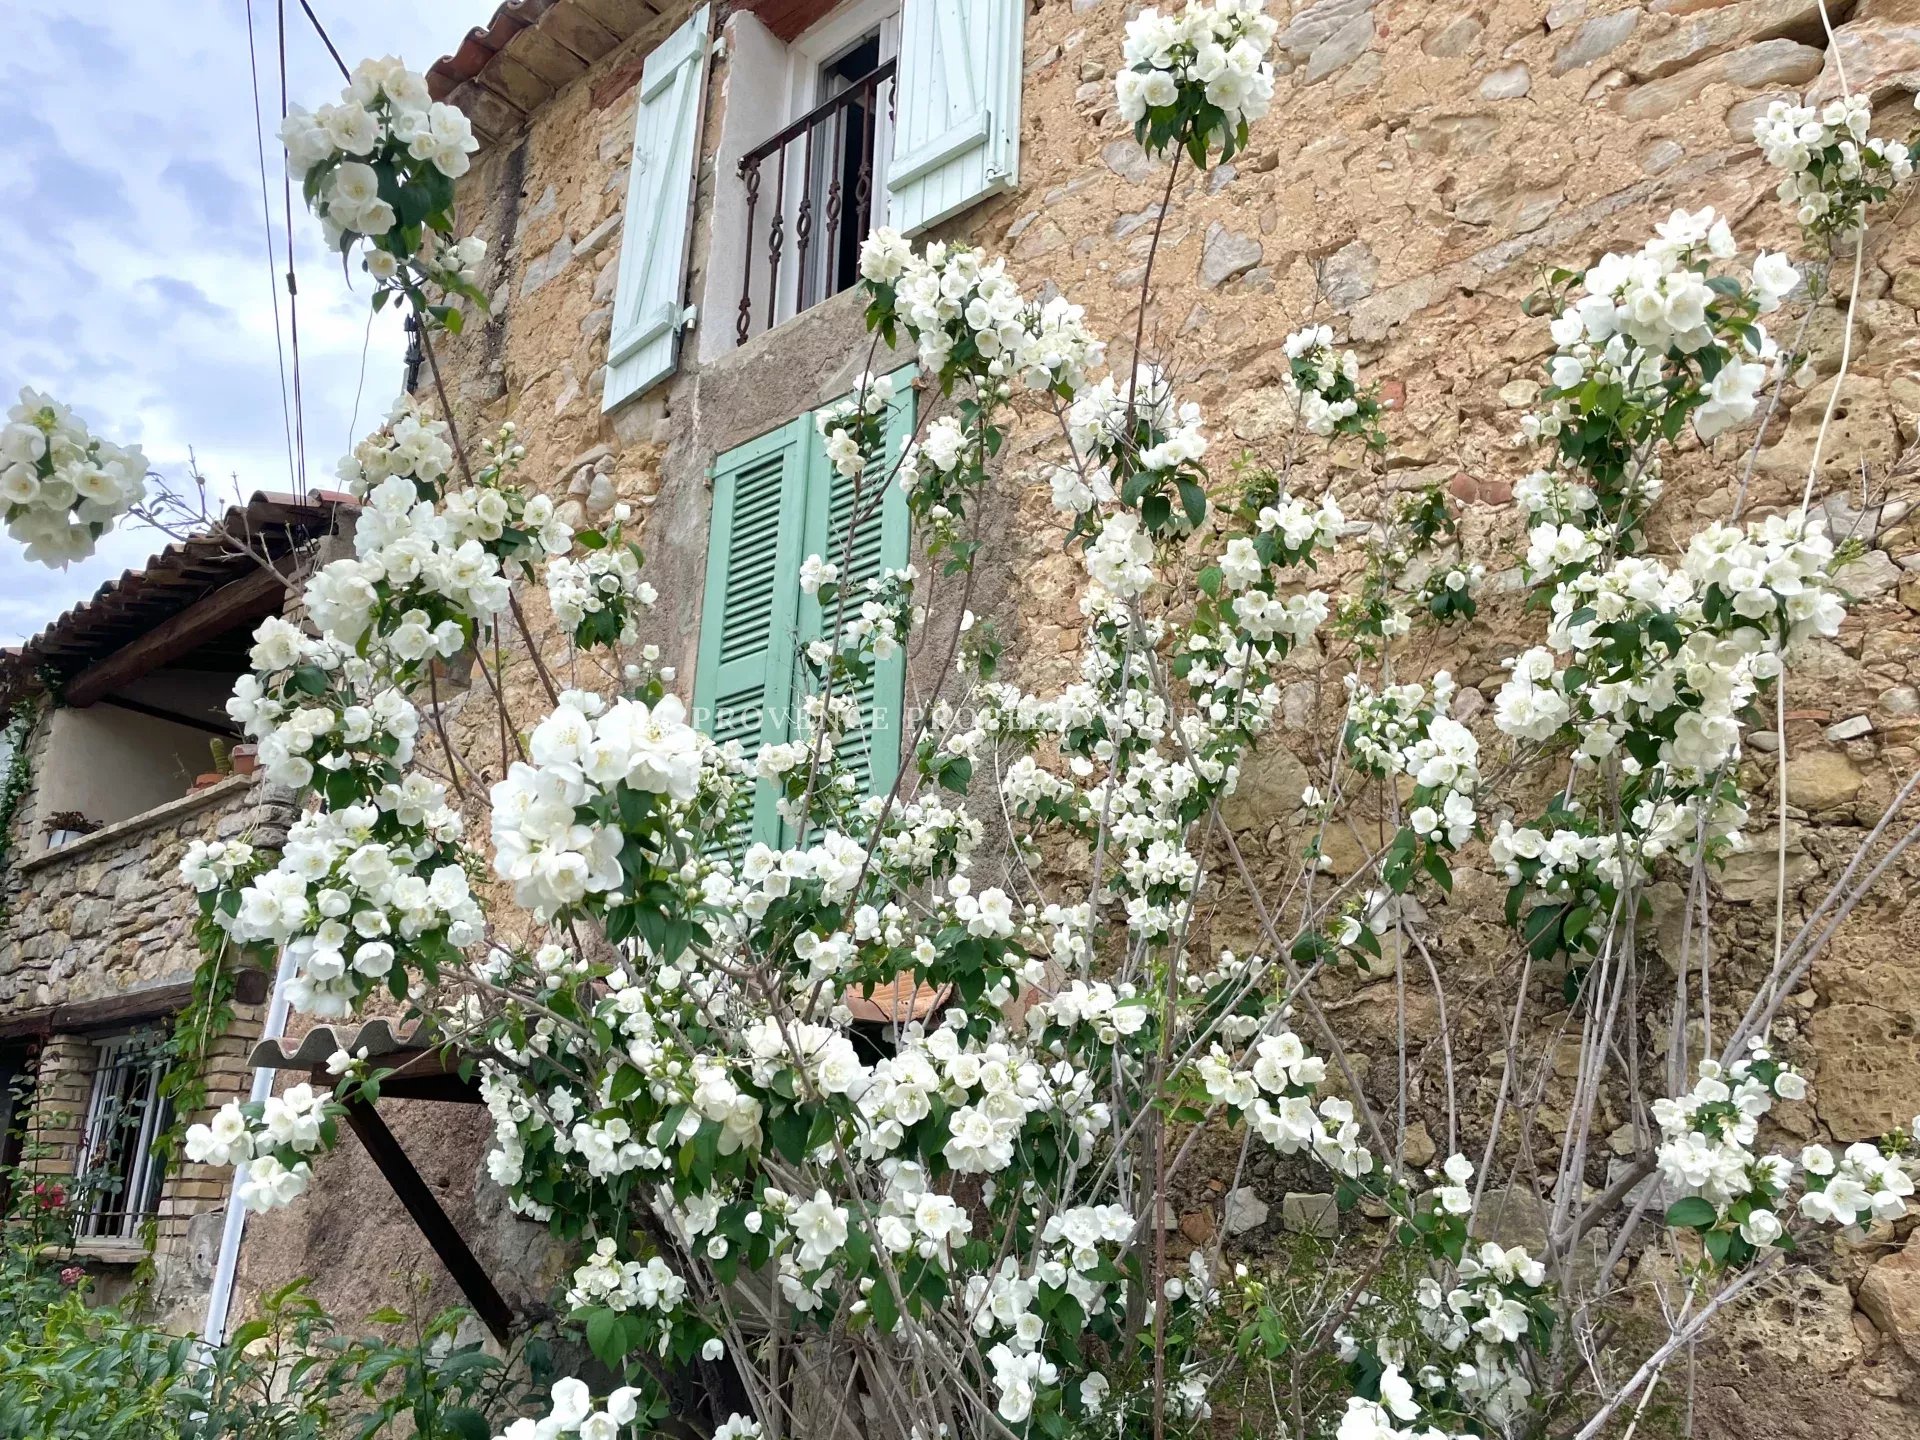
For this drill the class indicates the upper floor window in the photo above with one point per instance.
(119, 1173)
(815, 185)
(833, 120)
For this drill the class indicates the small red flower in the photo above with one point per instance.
(49, 1196)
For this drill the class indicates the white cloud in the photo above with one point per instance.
(134, 282)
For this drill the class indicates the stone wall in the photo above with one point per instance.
(108, 912)
(106, 916)
(1423, 164)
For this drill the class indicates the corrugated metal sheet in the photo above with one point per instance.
(312, 1050)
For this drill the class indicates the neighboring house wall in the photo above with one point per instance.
(89, 929)
(111, 765)
(1424, 161)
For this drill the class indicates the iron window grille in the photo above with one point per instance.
(120, 1173)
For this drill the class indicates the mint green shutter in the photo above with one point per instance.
(957, 135)
(648, 304)
(743, 685)
(880, 543)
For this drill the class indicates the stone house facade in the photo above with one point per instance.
(668, 188)
(125, 697)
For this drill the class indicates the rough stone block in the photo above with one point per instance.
(1771, 62)
(1684, 40)
(1227, 255)
(1509, 82)
(1310, 1213)
(1594, 39)
(1890, 1296)
(1342, 47)
(1272, 781)
(1244, 1211)
(547, 265)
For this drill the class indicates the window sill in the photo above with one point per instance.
(186, 805)
(109, 1252)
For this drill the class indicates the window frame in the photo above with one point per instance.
(137, 1048)
(766, 92)
(807, 56)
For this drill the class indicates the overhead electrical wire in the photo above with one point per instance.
(266, 222)
(326, 40)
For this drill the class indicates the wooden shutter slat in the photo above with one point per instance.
(743, 683)
(872, 750)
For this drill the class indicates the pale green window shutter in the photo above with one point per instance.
(880, 543)
(744, 682)
(648, 303)
(776, 500)
(957, 134)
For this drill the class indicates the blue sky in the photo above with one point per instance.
(133, 270)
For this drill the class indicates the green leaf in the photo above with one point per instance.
(886, 1315)
(603, 1336)
(1692, 1213)
(788, 1129)
(1194, 500)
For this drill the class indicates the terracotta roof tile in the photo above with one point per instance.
(502, 72)
(172, 579)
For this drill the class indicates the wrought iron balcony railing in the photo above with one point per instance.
(825, 175)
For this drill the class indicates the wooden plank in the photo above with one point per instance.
(441, 1086)
(545, 57)
(151, 1003)
(515, 83)
(491, 116)
(569, 26)
(155, 712)
(32, 1024)
(260, 593)
(622, 17)
(425, 1209)
(789, 19)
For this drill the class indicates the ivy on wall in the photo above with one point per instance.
(14, 771)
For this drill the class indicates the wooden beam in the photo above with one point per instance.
(425, 1209)
(192, 722)
(258, 593)
(438, 1086)
(151, 1003)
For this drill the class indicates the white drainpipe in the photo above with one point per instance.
(228, 1263)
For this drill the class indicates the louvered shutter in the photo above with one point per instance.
(957, 135)
(744, 680)
(648, 304)
(872, 752)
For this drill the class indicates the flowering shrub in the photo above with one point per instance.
(1196, 80)
(962, 1225)
(272, 1138)
(600, 598)
(61, 486)
(1657, 338)
(1834, 169)
(378, 170)
(1325, 388)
